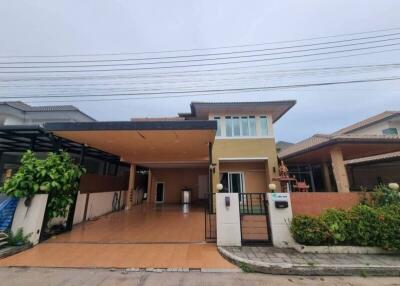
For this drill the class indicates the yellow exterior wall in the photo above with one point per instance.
(246, 148)
(175, 179)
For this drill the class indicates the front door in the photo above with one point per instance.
(159, 192)
(232, 182)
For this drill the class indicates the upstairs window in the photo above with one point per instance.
(218, 119)
(263, 125)
(390, 131)
(240, 126)
(228, 126)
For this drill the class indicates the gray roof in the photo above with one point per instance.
(43, 108)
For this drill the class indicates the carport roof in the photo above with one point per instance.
(316, 148)
(144, 142)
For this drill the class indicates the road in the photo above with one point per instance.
(103, 277)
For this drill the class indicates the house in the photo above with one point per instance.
(17, 113)
(20, 113)
(363, 154)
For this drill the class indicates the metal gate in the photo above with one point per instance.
(254, 218)
(210, 223)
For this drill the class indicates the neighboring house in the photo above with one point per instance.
(369, 150)
(19, 113)
(280, 145)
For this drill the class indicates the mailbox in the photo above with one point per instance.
(281, 204)
(227, 201)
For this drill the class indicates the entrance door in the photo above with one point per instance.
(232, 182)
(159, 192)
(203, 187)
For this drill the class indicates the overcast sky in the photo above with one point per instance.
(66, 27)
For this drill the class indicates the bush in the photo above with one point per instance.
(18, 238)
(365, 226)
(385, 196)
(338, 224)
(389, 217)
(309, 230)
(56, 175)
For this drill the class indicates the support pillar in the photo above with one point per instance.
(327, 177)
(131, 187)
(339, 170)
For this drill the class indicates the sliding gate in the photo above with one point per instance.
(254, 218)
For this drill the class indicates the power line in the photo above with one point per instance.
(222, 53)
(188, 72)
(203, 49)
(173, 93)
(198, 65)
(231, 76)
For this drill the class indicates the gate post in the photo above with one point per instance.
(228, 219)
(280, 215)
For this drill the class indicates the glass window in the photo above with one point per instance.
(252, 126)
(236, 126)
(263, 125)
(218, 119)
(228, 126)
(390, 131)
(245, 125)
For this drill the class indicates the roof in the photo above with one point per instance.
(21, 106)
(280, 145)
(388, 156)
(321, 140)
(369, 121)
(318, 140)
(201, 110)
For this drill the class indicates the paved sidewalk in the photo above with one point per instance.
(103, 277)
(289, 261)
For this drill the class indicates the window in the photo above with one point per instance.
(232, 182)
(390, 131)
(228, 126)
(218, 119)
(264, 125)
(245, 125)
(236, 126)
(252, 125)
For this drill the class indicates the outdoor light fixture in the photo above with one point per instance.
(272, 187)
(212, 167)
(220, 187)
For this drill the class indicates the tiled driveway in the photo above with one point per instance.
(143, 237)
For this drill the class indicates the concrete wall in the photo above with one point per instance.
(316, 203)
(30, 219)
(98, 204)
(228, 220)
(175, 179)
(245, 148)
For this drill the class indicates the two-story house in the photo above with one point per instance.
(228, 143)
(363, 154)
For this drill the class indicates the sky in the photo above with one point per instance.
(132, 29)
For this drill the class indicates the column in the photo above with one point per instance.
(327, 177)
(131, 187)
(339, 170)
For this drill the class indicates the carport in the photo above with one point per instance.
(177, 155)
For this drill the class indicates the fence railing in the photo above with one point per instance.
(253, 203)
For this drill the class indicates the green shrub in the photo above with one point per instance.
(309, 230)
(365, 225)
(18, 238)
(385, 196)
(56, 175)
(389, 217)
(338, 224)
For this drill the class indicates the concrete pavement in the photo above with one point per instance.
(82, 277)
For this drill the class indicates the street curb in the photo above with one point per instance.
(309, 270)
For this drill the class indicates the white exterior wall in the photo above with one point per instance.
(279, 220)
(30, 219)
(228, 220)
(377, 128)
(79, 208)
